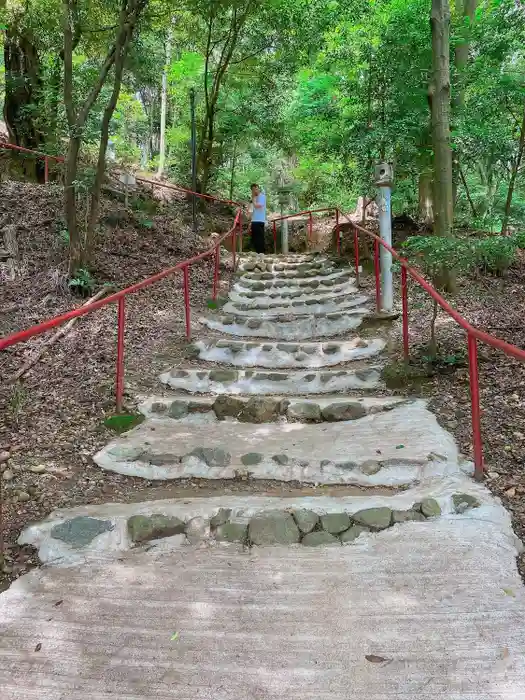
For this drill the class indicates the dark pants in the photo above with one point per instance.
(258, 230)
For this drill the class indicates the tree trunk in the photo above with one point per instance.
(439, 94)
(70, 205)
(22, 91)
(466, 10)
(426, 205)
(514, 174)
(164, 108)
(232, 174)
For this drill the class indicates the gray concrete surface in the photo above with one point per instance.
(426, 611)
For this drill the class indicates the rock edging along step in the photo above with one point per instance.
(257, 409)
(295, 382)
(281, 355)
(285, 328)
(74, 533)
(293, 283)
(311, 307)
(396, 448)
(266, 300)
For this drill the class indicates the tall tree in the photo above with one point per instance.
(439, 95)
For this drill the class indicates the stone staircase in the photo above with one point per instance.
(403, 584)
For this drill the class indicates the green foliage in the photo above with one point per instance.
(122, 422)
(82, 282)
(494, 254)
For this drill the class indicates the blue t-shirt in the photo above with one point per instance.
(259, 214)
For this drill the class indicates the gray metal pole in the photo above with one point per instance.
(193, 158)
(384, 183)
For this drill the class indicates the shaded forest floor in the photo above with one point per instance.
(52, 420)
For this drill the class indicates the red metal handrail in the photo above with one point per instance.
(473, 333)
(310, 213)
(120, 296)
(37, 154)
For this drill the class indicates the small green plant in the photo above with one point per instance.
(122, 422)
(82, 282)
(519, 239)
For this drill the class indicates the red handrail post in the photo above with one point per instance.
(186, 275)
(337, 224)
(216, 269)
(274, 237)
(234, 246)
(378, 275)
(404, 301)
(310, 227)
(121, 320)
(46, 170)
(474, 399)
(356, 254)
(240, 230)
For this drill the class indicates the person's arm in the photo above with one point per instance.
(256, 203)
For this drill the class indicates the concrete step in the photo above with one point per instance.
(279, 355)
(294, 382)
(292, 283)
(300, 273)
(266, 297)
(288, 328)
(249, 409)
(397, 448)
(285, 266)
(296, 307)
(427, 610)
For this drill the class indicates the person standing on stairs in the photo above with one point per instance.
(258, 218)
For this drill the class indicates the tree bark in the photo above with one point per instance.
(426, 205)
(164, 108)
(439, 95)
(513, 176)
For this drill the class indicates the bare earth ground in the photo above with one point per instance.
(51, 422)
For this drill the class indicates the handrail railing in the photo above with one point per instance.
(310, 213)
(37, 154)
(473, 334)
(120, 296)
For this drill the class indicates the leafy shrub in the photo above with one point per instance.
(519, 239)
(82, 282)
(494, 254)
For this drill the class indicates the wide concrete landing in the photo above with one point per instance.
(399, 447)
(423, 611)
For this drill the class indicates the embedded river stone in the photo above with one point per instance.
(79, 532)
(260, 409)
(226, 406)
(430, 508)
(404, 516)
(143, 528)
(343, 411)
(463, 502)
(319, 538)
(335, 522)
(374, 518)
(221, 517)
(223, 375)
(304, 411)
(178, 409)
(353, 533)
(212, 456)
(306, 520)
(370, 467)
(251, 459)
(232, 532)
(274, 527)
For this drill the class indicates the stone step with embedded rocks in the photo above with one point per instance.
(293, 382)
(306, 327)
(261, 409)
(307, 307)
(265, 299)
(240, 353)
(302, 272)
(396, 448)
(279, 264)
(271, 282)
